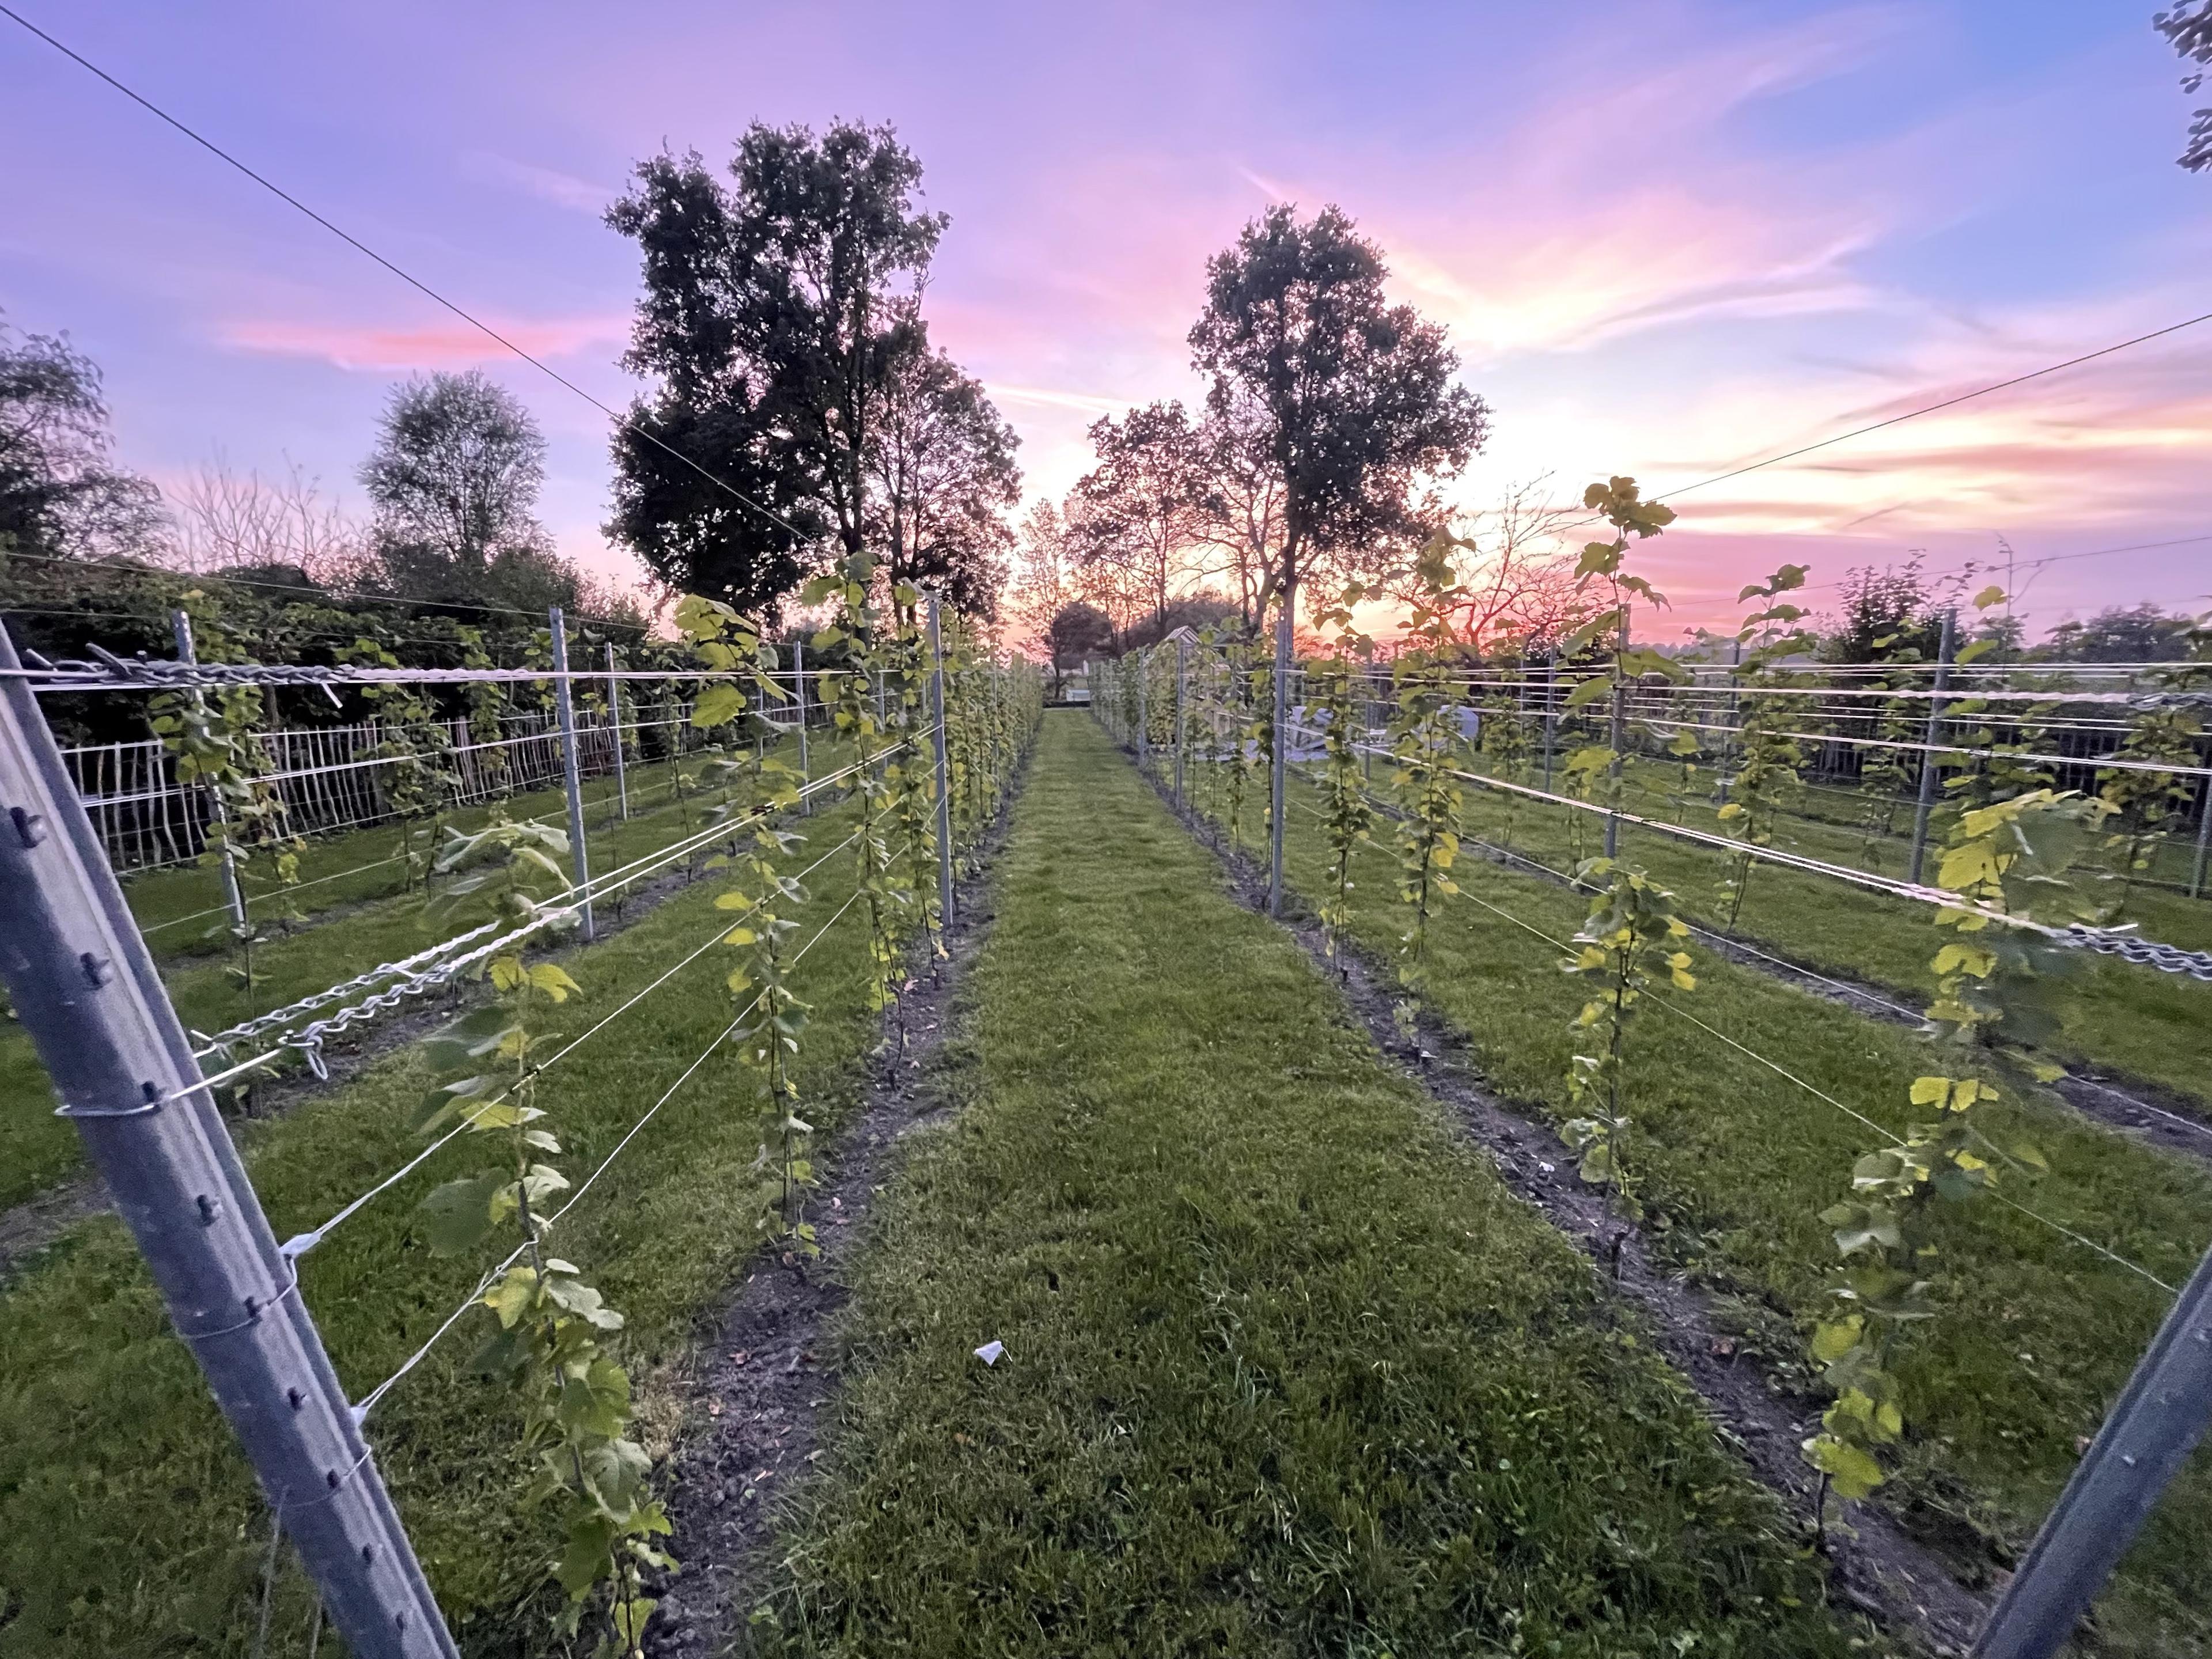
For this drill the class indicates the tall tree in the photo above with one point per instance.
(941, 465)
(60, 494)
(1351, 399)
(454, 477)
(1141, 505)
(1043, 573)
(2188, 27)
(776, 310)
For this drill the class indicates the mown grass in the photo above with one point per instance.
(1287, 1370)
(37, 1149)
(129, 1524)
(2154, 1025)
(2040, 1332)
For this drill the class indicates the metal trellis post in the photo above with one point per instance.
(2203, 840)
(798, 682)
(1928, 761)
(2148, 1435)
(86, 989)
(1144, 709)
(1619, 735)
(180, 625)
(579, 856)
(1181, 718)
(943, 768)
(1281, 746)
(614, 712)
(1551, 714)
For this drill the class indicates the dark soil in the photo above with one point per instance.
(757, 1394)
(1876, 1567)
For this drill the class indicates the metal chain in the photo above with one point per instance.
(2144, 952)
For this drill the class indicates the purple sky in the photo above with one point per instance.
(1667, 238)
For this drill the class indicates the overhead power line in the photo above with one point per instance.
(1947, 402)
(413, 282)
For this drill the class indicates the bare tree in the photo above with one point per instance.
(227, 521)
(1044, 574)
(1518, 578)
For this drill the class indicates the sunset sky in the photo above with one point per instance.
(1667, 238)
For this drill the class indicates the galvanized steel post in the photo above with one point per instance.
(1927, 802)
(943, 768)
(86, 989)
(1281, 746)
(579, 856)
(180, 626)
(2159, 1418)
(799, 683)
(614, 714)
(1619, 735)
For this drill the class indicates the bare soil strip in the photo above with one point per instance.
(755, 1395)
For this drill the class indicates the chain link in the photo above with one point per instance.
(2144, 952)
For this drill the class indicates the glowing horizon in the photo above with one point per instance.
(1729, 233)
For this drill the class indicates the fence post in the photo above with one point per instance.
(1144, 706)
(86, 989)
(1927, 802)
(579, 856)
(614, 712)
(943, 768)
(1551, 712)
(1729, 721)
(1281, 747)
(180, 625)
(2203, 840)
(798, 681)
(1181, 719)
(1619, 733)
(2158, 1419)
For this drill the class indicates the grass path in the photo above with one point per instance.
(1738, 1163)
(1287, 1370)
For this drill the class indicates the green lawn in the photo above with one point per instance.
(38, 1149)
(2155, 1025)
(1287, 1370)
(130, 1525)
(1739, 1161)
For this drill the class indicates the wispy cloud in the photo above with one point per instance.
(433, 346)
(547, 184)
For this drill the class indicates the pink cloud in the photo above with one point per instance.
(436, 346)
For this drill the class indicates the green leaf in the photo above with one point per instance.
(1589, 691)
(1851, 1471)
(553, 980)
(459, 1213)
(717, 705)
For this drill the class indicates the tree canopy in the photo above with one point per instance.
(453, 476)
(781, 325)
(1351, 399)
(942, 471)
(2188, 28)
(61, 495)
(1141, 506)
